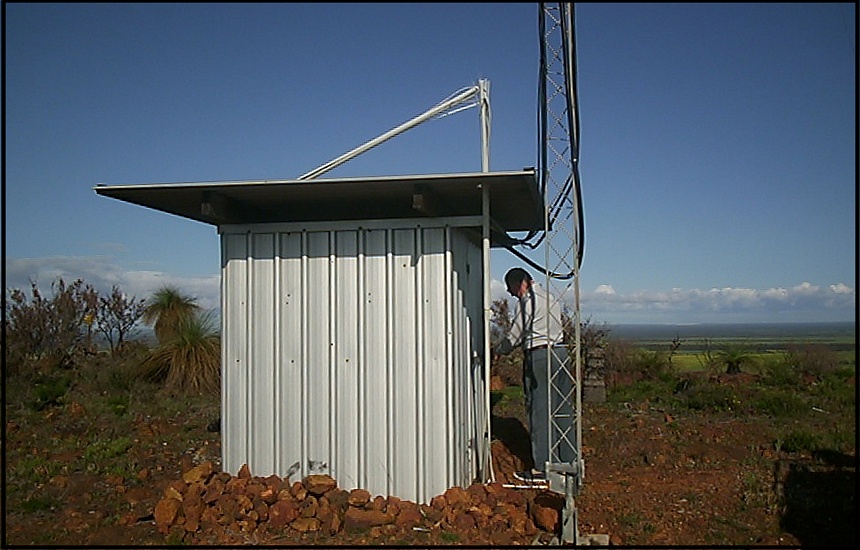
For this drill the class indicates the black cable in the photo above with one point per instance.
(574, 181)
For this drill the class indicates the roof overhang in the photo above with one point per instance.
(515, 203)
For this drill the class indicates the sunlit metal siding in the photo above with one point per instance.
(347, 350)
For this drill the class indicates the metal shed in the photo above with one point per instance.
(354, 321)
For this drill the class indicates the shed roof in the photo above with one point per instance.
(515, 203)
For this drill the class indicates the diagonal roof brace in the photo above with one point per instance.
(442, 109)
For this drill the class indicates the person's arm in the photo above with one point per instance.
(514, 338)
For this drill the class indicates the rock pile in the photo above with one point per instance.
(206, 506)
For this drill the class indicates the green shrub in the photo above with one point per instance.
(38, 504)
(815, 359)
(49, 389)
(653, 364)
(101, 449)
(779, 372)
(710, 397)
(779, 403)
(642, 391)
(35, 468)
(119, 404)
(800, 441)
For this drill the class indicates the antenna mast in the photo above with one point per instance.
(563, 246)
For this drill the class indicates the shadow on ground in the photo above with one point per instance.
(819, 499)
(515, 437)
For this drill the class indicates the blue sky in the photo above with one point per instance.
(718, 148)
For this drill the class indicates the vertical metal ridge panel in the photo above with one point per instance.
(389, 363)
(332, 366)
(420, 262)
(435, 328)
(451, 351)
(404, 372)
(277, 358)
(293, 380)
(303, 319)
(347, 385)
(235, 392)
(348, 351)
(261, 352)
(360, 364)
(316, 324)
(377, 327)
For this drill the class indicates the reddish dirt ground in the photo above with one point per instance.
(650, 479)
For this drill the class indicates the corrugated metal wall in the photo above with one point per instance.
(348, 350)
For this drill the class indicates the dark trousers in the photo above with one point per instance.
(538, 383)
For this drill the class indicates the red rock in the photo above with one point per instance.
(456, 495)
(432, 513)
(308, 507)
(229, 508)
(359, 497)
(409, 516)
(298, 490)
(165, 514)
(244, 472)
(439, 502)
(379, 503)
(192, 518)
(201, 472)
(356, 518)
(209, 518)
(335, 524)
(339, 499)
(319, 484)
(174, 490)
(477, 492)
(545, 517)
(282, 513)
(261, 509)
(305, 525)
(212, 491)
(464, 521)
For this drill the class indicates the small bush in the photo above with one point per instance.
(49, 389)
(625, 364)
(38, 504)
(779, 372)
(102, 450)
(800, 441)
(813, 359)
(710, 397)
(119, 404)
(653, 391)
(37, 326)
(779, 403)
(653, 364)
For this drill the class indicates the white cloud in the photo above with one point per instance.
(841, 289)
(102, 273)
(804, 302)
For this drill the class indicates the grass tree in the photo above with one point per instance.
(190, 362)
(167, 310)
(733, 357)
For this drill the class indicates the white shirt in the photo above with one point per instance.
(531, 326)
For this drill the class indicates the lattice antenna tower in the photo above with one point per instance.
(562, 245)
